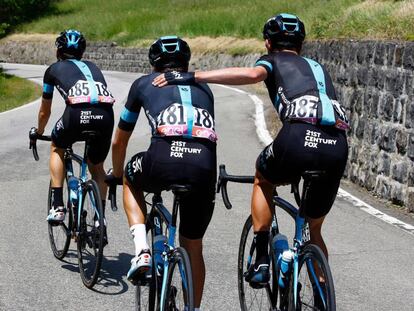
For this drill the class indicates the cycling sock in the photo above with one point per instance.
(262, 242)
(57, 197)
(139, 233)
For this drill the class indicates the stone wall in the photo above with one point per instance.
(374, 81)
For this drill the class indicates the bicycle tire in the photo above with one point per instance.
(59, 235)
(310, 256)
(252, 298)
(179, 291)
(90, 242)
(145, 294)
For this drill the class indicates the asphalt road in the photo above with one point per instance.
(372, 261)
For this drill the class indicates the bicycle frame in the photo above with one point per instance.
(171, 221)
(302, 233)
(82, 178)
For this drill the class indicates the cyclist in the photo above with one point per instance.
(88, 107)
(182, 150)
(312, 137)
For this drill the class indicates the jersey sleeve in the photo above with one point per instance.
(130, 112)
(48, 84)
(266, 62)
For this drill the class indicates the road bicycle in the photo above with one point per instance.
(84, 221)
(169, 284)
(300, 275)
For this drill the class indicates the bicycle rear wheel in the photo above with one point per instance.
(179, 291)
(312, 293)
(91, 234)
(59, 235)
(251, 298)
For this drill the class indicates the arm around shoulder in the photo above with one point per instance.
(232, 76)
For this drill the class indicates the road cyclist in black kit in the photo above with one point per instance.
(313, 135)
(88, 108)
(182, 151)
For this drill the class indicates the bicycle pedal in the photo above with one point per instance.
(142, 279)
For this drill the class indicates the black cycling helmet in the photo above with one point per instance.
(169, 52)
(284, 30)
(70, 44)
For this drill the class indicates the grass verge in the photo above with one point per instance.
(15, 91)
(130, 21)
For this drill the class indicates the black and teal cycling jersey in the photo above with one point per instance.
(302, 90)
(174, 110)
(79, 82)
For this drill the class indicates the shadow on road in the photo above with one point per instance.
(113, 271)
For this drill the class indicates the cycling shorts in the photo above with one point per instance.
(299, 147)
(79, 118)
(178, 160)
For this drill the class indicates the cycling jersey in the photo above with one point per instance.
(88, 105)
(77, 81)
(302, 90)
(181, 110)
(182, 150)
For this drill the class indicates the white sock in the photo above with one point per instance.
(139, 234)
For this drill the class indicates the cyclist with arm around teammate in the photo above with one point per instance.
(312, 136)
(88, 107)
(182, 151)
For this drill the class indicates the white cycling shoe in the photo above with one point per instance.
(56, 216)
(140, 266)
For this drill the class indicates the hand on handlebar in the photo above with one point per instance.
(111, 180)
(33, 134)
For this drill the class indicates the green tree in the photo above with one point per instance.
(14, 12)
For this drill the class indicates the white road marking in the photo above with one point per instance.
(266, 139)
(22, 107)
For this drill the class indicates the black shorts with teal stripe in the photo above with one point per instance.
(299, 147)
(179, 160)
(86, 117)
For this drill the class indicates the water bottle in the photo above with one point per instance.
(280, 244)
(284, 268)
(159, 242)
(73, 183)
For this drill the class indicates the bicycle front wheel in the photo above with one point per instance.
(91, 234)
(179, 292)
(315, 287)
(251, 298)
(59, 235)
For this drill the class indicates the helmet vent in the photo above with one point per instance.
(170, 45)
(290, 24)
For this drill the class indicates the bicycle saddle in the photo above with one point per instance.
(89, 134)
(312, 175)
(176, 188)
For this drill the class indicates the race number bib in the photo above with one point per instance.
(172, 121)
(80, 93)
(304, 108)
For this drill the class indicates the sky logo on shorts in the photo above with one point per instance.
(137, 165)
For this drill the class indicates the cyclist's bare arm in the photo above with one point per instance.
(119, 146)
(232, 76)
(44, 114)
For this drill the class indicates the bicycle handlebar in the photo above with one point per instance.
(224, 178)
(112, 182)
(33, 137)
